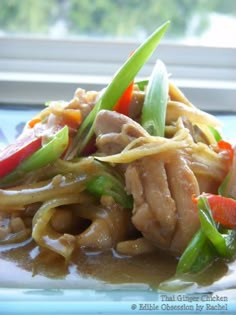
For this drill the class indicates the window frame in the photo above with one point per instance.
(35, 70)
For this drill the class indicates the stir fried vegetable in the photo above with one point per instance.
(116, 88)
(197, 255)
(209, 228)
(215, 133)
(44, 234)
(155, 103)
(223, 210)
(209, 242)
(122, 106)
(123, 103)
(49, 153)
(14, 154)
(109, 185)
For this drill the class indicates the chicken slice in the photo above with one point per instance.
(114, 131)
(163, 207)
(161, 185)
(154, 212)
(183, 185)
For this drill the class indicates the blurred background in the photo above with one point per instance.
(206, 22)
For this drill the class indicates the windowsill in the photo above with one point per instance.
(36, 89)
(33, 71)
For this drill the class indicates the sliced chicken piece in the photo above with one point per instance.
(114, 131)
(161, 185)
(163, 207)
(154, 212)
(183, 185)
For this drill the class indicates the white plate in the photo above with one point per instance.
(27, 295)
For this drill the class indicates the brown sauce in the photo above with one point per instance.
(27, 267)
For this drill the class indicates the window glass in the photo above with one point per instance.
(204, 22)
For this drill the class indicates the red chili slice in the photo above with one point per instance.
(12, 155)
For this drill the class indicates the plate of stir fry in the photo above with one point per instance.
(134, 170)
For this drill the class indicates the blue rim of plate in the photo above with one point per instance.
(57, 301)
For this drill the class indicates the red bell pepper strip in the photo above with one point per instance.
(12, 155)
(48, 153)
(227, 147)
(223, 209)
(122, 106)
(224, 145)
